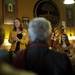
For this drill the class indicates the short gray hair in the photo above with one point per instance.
(39, 29)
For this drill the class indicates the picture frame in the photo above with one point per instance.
(9, 11)
(69, 16)
(25, 21)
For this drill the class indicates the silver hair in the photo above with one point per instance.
(39, 29)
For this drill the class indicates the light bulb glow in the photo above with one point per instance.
(6, 42)
(71, 37)
(69, 1)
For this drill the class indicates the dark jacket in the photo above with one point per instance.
(39, 59)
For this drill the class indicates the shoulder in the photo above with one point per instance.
(59, 56)
(24, 30)
(60, 59)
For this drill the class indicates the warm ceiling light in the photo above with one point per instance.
(69, 1)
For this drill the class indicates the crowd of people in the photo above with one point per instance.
(30, 52)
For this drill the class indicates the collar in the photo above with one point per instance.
(38, 45)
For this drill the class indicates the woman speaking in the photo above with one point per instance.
(18, 36)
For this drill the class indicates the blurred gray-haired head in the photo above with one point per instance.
(39, 29)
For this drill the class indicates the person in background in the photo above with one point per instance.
(18, 36)
(38, 57)
(5, 67)
(4, 56)
(64, 41)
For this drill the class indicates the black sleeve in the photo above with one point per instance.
(68, 69)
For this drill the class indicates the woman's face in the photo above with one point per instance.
(17, 23)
